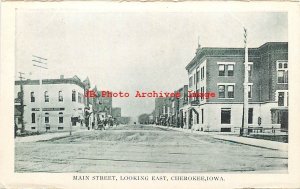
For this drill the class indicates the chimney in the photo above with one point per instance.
(61, 76)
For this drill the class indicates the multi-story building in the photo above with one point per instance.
(169, 110)
(182, 102)
(52, 104)
(221, 71)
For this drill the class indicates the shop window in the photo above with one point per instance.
(250, 116)
(202, 116)
(32, 117)
(225, 116)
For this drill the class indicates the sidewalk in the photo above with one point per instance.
(237, 139)
(46, 136)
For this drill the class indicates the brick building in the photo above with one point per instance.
(221, 70)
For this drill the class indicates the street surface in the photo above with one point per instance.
(144, 149)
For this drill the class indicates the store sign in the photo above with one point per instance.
(53, 109)
(35, 109)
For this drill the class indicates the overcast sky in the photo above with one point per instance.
(133, 51)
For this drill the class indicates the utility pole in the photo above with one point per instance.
(22, 102)
(39, 63)
(245, 110)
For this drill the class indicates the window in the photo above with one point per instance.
(197, 95)
(282, 72)
(46, 96)
(280, 98)
(60, 96)
(46, 117)
(226, 69)
(202, 92)
(230, 89)
(61, 117)
(202, 116)
(19, 94)
(225, 116)
(32, 117)
(32, 97)
(221, 91)
(250, 116)
(250, 70)
(79, 97)
(221, 70)
(202, 73)
(73, 96)
(191, 81)
(249, 91)
(230, 69)
(198, 76)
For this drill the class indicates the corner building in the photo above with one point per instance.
(221, 70)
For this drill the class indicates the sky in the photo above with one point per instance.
(130, 51)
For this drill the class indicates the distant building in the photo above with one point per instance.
(116, 112)
(124, 120)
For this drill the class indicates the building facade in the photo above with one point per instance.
(53, 104)
(221, 71)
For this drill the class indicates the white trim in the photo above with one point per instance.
(249, 63)
(225, 83)
(226, 63)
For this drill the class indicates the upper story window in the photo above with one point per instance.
(79, 97)
(60, 117)
(226, 68)
(32, 97)
(282, 71)
(202, 73)
(46, 96)
(250, 68)
(191, 81)
(230, 69)
(221, 70)
(230, 91)
(60, 96)
(198, 76)
(226, 90)
(282, 97)
(221, 91)
(249, 91)
(73, 96)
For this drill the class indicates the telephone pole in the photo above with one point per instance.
(40, 63)
(245, 110)
(22, 101)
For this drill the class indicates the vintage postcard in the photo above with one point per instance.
(131, 94)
